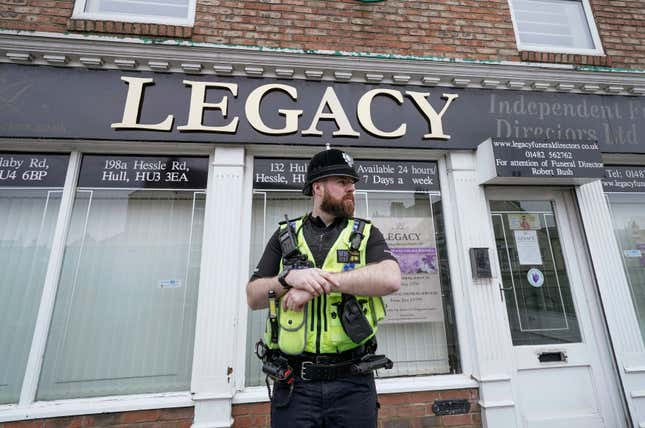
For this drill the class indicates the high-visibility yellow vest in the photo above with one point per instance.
(317, 328)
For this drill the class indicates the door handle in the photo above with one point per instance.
(502, 290)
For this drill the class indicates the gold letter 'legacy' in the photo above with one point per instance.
(329, 109)
(133, 104)
(197, 106)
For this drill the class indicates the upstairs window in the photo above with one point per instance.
(168, 12)
(562, 26)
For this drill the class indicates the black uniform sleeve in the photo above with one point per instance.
(377, 249)
(269, 264)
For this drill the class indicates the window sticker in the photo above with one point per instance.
(528, 247)
(535, 277)
(169, 283)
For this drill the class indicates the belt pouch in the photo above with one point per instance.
(354, 321)
(293, 332)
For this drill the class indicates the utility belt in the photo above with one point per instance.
(309, 370)
(284, 368)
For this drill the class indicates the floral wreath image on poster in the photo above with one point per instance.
(412, 242)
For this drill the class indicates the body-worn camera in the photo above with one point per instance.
(291, 255)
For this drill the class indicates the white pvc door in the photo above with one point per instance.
(563, 375)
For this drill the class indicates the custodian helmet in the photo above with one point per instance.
(329, 163)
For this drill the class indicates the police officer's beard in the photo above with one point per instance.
(338, 207)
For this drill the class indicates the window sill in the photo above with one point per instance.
(258, 394)
(87, 406)
(129, 28)
(562, 58)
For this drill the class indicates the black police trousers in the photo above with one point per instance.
(347, 402)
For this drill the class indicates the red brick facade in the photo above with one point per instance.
(405, 410)
(465, 29)
(161, 418)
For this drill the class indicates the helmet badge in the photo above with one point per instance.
(348, 159)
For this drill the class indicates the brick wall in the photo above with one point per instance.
(41, 15)
(405, 410)
(620, 24)
(160, 418)
(466, 29)
(471, 29)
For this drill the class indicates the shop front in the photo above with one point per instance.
(136, 205)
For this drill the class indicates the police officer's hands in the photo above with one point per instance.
(313, 280)
(296, 299)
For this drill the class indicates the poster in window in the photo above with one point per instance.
(528, 247)
(412, 242)
(524, 221)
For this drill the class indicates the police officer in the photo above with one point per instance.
(329, 303)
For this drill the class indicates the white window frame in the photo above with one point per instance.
(28, 407)
(79, 13)
(388, 385)
(598, 50)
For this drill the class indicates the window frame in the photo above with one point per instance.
(79, 13)
(27, 406)
(591, 23)
(256, 394)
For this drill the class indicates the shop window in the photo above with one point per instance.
(419, 334)
(124, 315)
(628, 214)
(30, 195)
(565, 26)
(168, 12)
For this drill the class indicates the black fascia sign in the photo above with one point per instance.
(33, 169)
(624, 179)
(539, 162)
(376, 175)
(73, 103)
(143, 172)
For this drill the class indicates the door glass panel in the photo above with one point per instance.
(534, 275)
